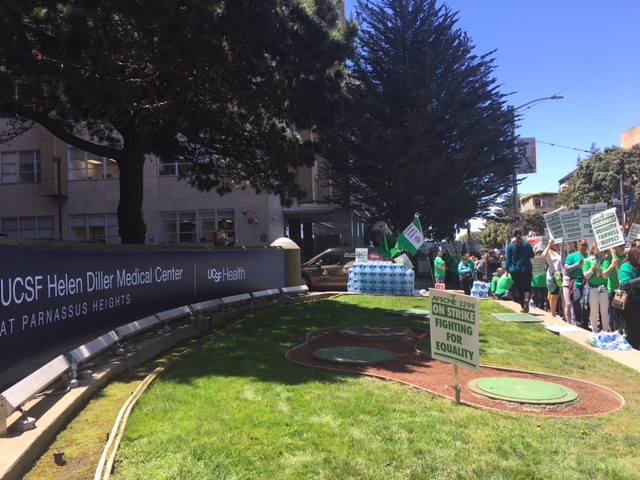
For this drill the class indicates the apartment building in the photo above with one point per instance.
(53, 191)
(630, 137)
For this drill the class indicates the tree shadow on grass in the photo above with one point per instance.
(256, 346)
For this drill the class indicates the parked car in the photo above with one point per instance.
(330, 269)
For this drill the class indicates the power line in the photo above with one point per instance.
(562, 146)
(599, 73)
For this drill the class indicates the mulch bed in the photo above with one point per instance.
(416, 369)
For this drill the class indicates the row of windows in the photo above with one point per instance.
(20, 167)
(86, 166)
(28, 228)
(195, 226)
(25, 166)
(176, 227)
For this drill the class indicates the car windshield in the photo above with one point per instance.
(329, 259)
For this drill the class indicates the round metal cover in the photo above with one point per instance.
(412, 312)
(357, 355)
(523, 390)
(377, 332)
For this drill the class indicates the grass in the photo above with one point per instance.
(235, 408)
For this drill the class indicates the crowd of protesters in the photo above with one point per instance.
(577, 283)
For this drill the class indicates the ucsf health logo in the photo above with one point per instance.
(226, 274)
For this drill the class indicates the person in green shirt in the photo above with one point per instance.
(611, 271)
(573, 268)
(439, 268)
(630, 281)
(505, 282)
(598, 294)
(494, 281)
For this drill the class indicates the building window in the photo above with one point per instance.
(195, 226)
(28, 228)
(172, 168)
(101, 228)
(86, 166)
(20, 167)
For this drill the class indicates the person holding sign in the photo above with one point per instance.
(539, 279)
(518, 265)
(630, 281)
(553, 255)
(598, 295)
(573, 268)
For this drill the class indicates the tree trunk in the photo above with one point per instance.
(131, 226)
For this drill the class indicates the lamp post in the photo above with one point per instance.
(516, 202)
(58, 162)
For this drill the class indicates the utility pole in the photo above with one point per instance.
(516, 200)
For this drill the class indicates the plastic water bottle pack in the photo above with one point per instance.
(381, 278)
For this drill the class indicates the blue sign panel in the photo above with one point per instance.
(49, 297)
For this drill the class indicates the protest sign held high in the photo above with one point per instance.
(586, 212)
(607, 230)
(554, 224)
(571, 225)
(634, 234)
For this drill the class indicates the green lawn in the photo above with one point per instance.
(235, 408)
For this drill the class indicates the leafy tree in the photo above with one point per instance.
(597, 179)
(212, 82)
(424, 129)
(497, 231)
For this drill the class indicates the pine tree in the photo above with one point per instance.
(425, 129)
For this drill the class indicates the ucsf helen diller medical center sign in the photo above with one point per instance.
(49, 297)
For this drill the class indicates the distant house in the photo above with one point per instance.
(543, 201)
(631, 137)
(562, 183)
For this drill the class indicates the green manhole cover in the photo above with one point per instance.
(391, 333)
(357, 355)
(517, 317)
(523, 390)
(415, 312)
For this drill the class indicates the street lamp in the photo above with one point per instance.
(516, 202)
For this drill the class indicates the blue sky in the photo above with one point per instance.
(585, 50)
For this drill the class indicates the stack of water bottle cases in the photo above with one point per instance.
(480, 289)
(382, 278)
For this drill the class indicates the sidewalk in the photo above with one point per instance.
(578, 335)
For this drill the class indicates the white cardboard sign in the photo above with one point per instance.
(455, 328)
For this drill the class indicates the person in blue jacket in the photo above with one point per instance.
(466, 271)
(518, 264)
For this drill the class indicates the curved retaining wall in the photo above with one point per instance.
(52, 297)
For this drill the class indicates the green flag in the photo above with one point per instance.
(384, 248)
(412, 238)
